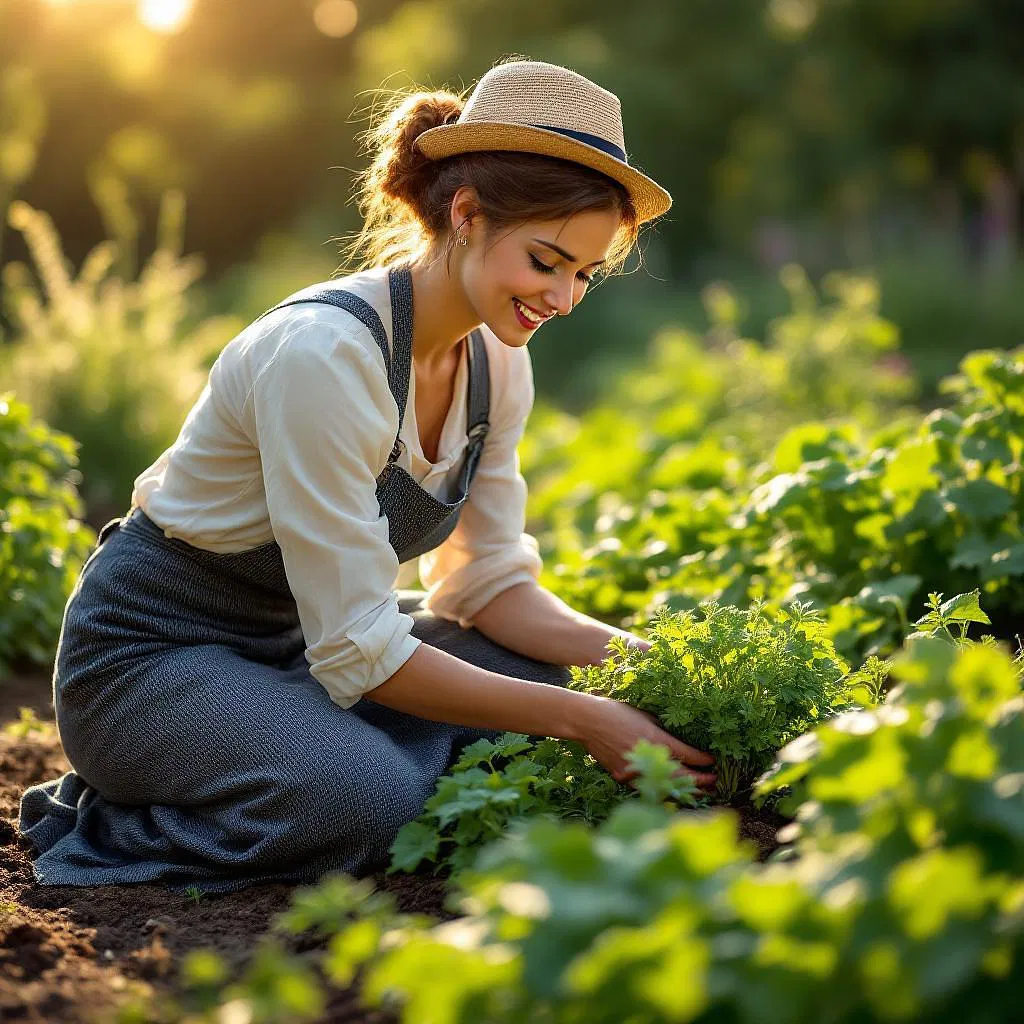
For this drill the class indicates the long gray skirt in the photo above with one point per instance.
(204, 751)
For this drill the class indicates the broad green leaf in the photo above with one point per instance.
(414, 843)
(964, 608)
(911, 470)
(980, 500)
(928, 889)
(442, 977)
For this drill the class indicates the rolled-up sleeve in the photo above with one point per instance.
(325, 423)
(488, 551)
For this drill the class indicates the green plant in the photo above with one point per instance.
(858, 522)
(108, 359)
(194, 893)
(904, 901)
(43, 542)
(736, 683)
(496, 784)
(901, 899)
(956, 613)
(28, 722)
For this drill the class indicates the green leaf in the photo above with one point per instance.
(659, 779)
(928, 889)
(1007, 561)
(980, 500)
(484, 751)
(964, 608)
(927, 513)
(901, 587)
(987, 447)
(973, 550)
(911, 470)
(350, 949)
(414, 843)
(442, 977)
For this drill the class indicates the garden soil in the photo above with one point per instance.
(73, 955)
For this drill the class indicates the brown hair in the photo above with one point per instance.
(405, 198)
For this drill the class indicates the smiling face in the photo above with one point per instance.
(519, 277)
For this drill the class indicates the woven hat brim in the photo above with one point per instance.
(649, 198)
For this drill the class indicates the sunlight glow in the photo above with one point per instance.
(164, 15)
(336, 18)
(794, 17)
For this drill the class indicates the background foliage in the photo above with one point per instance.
(860, 134)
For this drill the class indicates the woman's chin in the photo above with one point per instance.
(514, 336)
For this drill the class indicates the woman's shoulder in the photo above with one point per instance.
(302, 323)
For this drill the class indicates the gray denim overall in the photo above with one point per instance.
(203, 750)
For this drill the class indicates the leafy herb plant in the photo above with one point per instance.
(737, 683)
(496, 784)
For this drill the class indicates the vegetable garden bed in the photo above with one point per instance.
(73, 954)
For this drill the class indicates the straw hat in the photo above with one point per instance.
(529, 106)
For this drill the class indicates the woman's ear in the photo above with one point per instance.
(465, 206)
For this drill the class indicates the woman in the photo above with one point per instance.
(243, 685)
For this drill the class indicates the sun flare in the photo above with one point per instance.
(336, 18)
(164, 15)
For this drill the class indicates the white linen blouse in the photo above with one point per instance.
(285, 443)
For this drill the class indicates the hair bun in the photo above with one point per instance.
(403, 168)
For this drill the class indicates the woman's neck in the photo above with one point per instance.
(441, 315)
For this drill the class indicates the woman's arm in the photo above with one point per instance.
(530, 620)
(436, 685)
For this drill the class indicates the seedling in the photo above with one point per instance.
(26, 723)
(194, 893)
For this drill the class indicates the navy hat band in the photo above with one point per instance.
(591, 140)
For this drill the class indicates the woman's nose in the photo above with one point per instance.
(561, 301)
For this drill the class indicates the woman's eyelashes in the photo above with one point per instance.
(545, 269)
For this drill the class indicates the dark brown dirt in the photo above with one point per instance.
(72, 955)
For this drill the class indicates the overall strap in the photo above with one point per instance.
(478, 400)
(479, 407)
(400, 285)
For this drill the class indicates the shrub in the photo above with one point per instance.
(902, 902)
(43, 543)
(739, 684)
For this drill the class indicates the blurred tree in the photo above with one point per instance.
(806, 113)
(22, 120)
(244, 106)
(810, 129)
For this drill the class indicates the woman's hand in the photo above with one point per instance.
(611, 729)
(638, 641)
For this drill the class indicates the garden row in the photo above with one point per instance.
(702, 478)
(899, 896)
